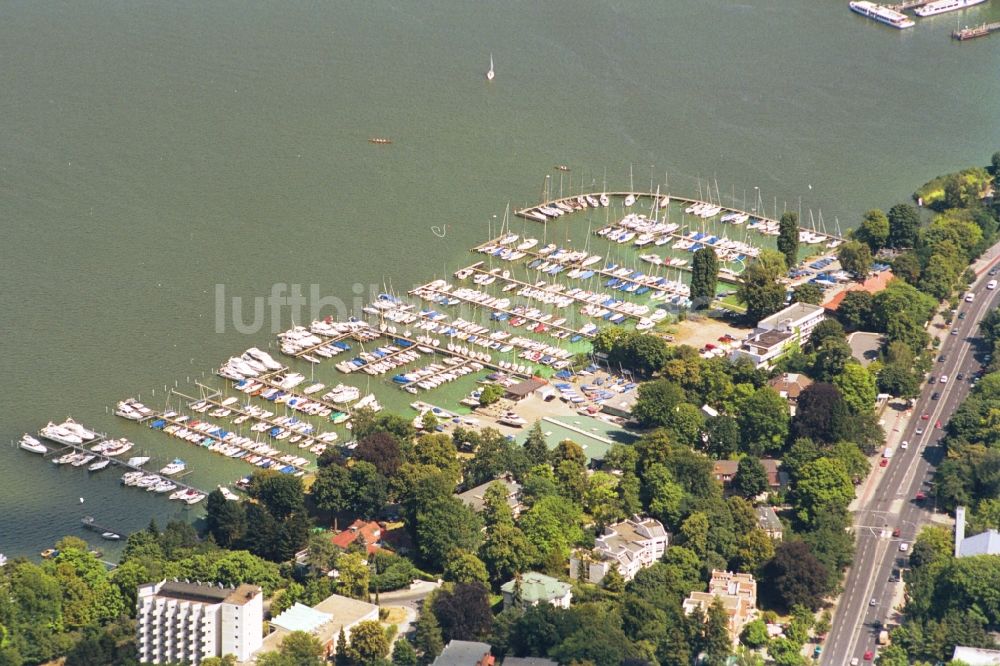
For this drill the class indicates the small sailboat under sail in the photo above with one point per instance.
(490, 73)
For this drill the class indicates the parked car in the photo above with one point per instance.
(935, 396)
(903, 547)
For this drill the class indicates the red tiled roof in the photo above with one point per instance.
(872, 285)
(370, 533)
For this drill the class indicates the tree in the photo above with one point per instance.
(382, 450)
(369, 644)
(855, 311)
(298, 648)
(403, 653)
(821, 413)
(464, 567)
(224, 520)
(490, 394)
(331, 491)
(831, 357)
(722, 436)
(536, 446)
(656, 402)
(751, 478)
(855, 258)
(427, 635)
(280, 494)
(369, 490)
(464, 612)
(873, 230)
(857, 386)
(763, 420)
(823, 485)
(907, 266)
(444, 525)
(354, 575)
(717, 644)
(759, 289)
(826, 330)
(754, 549)
(755, 634)
(904, 223)
(795, 576)
(898, 380)
(807, 292)
(788, 238)
(704, 276)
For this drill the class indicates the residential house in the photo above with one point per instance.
(465, 653)
(779, 334)
(474, 497)
(725, 470)
(188, 622)
(790, 386)
(368, 534)
(630, 545)
(537, 588)
(324, 621)
(523, 389)
(769, 521)
(986, 543)
(738, 592)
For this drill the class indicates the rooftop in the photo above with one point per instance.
(474, 496)
(874, 284)
(370, 533)
(767, 518)
(986, 543)
(769, 338)
(526, 387)
(790, 384)
(793, 313)
(462, 653)
(301, 618)
(976, 656)
(207, 593)
(538, 587)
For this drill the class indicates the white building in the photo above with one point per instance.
(738, 593)
(536, 588)
(986, 543)
(191, 621)
(780, 333)
(630, 545)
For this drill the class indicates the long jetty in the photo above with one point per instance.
(979, 31)
(571, 201)
(101, 437)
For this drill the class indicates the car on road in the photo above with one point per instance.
(961, 315)
(992, 284)
(873, 602)
(954, 331)
(925, 417)
(884, 462)
(868, 655)
(935, 396)
(942, 358)
(920, 496)
(944, 379)
(903, 547)
(905, 445)
(960, 376)
(969, 297)
(920, 430)
(932, 380)
(992, 272)
(937, 424)
(896, 532)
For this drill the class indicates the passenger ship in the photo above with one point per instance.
(882, 14)
(942, 6)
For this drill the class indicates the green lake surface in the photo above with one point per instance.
(151, 151)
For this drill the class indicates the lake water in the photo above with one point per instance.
(151, 151)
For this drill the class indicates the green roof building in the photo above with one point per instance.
(536, 588)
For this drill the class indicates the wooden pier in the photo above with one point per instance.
(979, 31)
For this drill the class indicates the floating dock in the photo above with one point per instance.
(979, 31)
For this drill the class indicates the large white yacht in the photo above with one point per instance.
(942, 6)
(882, 14)
(29, 443)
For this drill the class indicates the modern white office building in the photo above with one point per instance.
(187, 622)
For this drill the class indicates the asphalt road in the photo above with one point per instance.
(892, 505)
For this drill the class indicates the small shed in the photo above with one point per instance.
(523, 389)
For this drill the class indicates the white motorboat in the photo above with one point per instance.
(60, 434)
(79, 430)
(229, 494)
(174, 467)
(99, 465)
(137, 461)
(29, 443)
(111, 536)
(490, 74)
